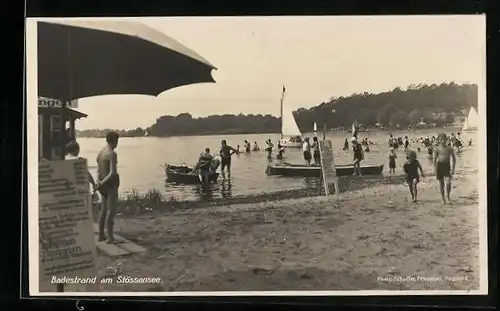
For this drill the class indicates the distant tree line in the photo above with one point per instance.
(437, 105)
(433, 105)
(101, 133)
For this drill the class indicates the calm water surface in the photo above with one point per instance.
(140, 160)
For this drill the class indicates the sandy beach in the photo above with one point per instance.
(370, 239)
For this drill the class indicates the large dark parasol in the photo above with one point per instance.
(79, 59)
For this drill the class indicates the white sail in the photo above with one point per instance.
(472, 120)
(315, 127)
(288, 125)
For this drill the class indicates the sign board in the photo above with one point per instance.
(328, 170)
(66, 243)
(44, 102)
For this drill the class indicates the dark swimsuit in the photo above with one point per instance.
(317, 156)
(358, 155)
(411, 170)
(225, 156)
(392, 161)
(307, 155)
(113, 183)
(443, 170)
(205, 167)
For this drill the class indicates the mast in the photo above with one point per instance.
(281, 110)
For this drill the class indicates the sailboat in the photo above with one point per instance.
(472, 121)
(354, 129)
(291, 137)
(315, 130)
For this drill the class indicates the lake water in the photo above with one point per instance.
(140, 160)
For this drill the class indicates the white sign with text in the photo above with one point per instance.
(44, 102)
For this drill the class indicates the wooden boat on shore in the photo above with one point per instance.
(183, 174)
(298, 170)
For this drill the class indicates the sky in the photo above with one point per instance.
(316, 58)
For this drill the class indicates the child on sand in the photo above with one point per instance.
(392, 161)
(411, 168)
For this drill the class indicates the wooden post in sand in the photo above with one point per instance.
(328, 170)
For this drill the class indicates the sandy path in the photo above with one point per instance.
(309, 244)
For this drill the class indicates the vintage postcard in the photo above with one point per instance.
(197, 156)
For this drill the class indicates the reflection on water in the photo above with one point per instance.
(226, 189)
(140, 161)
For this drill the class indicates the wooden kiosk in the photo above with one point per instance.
(56, 127)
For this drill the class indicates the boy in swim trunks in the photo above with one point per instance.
(411, 168)
(107, 185)
(392, 161)
(444, 170)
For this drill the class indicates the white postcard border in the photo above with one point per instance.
(32, 172)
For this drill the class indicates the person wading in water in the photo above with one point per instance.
(203, 168)
(444, 170)
(407, 144)
(306, 151)
(247, 146)
(269, 148)
(358, 156)
(226, 152)
(256, 146)
(346, 145)
(107, 184)
(391, 141)
(281, 152)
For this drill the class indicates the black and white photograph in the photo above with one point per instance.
(270, 155)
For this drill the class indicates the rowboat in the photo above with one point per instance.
(298, 170)
(183, 174)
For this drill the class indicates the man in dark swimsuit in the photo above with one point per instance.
(226, 152)
(358, 156)
(107, 185)
(444, 171)
(316, 153)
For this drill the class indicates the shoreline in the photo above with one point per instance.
(366, 239)
(347, 130)
(137, 204)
